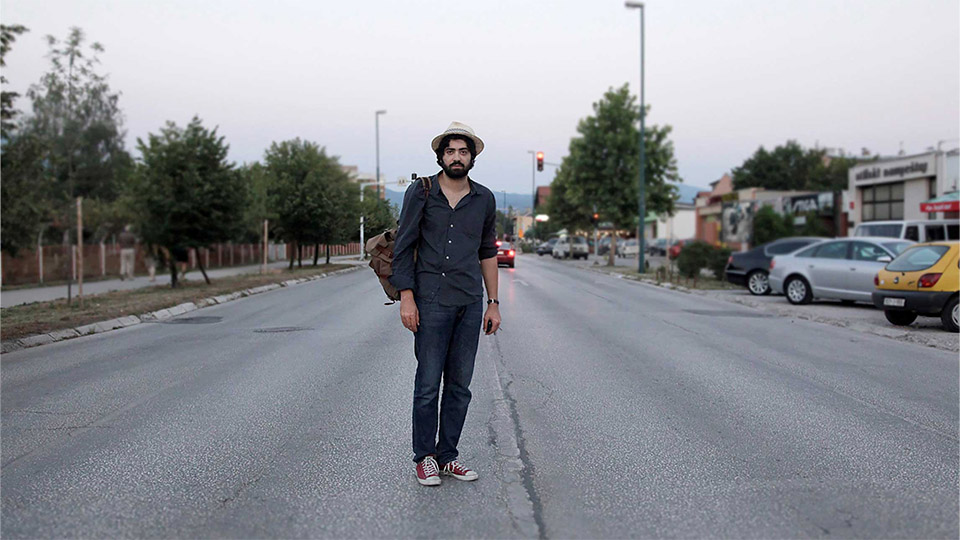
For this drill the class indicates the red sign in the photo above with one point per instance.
(947, 206)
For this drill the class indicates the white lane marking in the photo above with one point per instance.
(522, 282)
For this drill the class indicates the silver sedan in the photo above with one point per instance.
(841, 269)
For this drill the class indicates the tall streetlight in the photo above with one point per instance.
(643, 113)
(376, 117)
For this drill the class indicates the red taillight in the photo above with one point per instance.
(512, 252)
(772, 262)
(928, 280)
(876, 280)
(498, 243)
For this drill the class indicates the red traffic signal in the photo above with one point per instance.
(539, 161)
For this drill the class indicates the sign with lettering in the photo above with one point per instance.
(897, 170)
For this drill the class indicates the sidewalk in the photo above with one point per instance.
(44, 294)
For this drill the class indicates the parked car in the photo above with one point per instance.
(506, 254)
(930, 230)
(546, 248)
(924, 280)
(571, 246)
(657, 247)
(631, 248)
(750, 268)
(834, 269)
(674, 250)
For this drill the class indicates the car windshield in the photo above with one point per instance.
(917, 258)
(579, 240)
(505, 245)
(552, 241)
(897, 247)
(890, 230)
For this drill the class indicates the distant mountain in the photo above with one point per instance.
(519, 201)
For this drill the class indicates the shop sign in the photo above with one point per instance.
(898, 170)
(820, 203)
(945, 206)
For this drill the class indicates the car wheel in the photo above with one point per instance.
(798, 291)
(758, 283)
(949, 315)
(513, 264)
(900, 318)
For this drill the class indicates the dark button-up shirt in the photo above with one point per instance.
(450, 243)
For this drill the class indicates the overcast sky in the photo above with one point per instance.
(728, 75)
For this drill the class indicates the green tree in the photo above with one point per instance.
(256, 182)
(185, 192)
(21, 211)
(379, 215)
(77, 122)
(791, 168)
(8, 34)
(601, 169)
(768, 225)
(339, 207)
(305, 187)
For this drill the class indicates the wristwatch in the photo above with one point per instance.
(493, 301)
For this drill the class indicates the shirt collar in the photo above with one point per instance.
(435, 184)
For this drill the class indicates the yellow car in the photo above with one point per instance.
(923, 280)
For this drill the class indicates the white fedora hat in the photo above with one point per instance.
(456, 128)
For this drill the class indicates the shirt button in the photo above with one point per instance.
(443, 274)
(448, 257)
(449, 241)
(451, 225)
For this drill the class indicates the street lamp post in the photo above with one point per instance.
(643, 159)
(376, 117)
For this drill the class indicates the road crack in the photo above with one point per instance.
(516, 469)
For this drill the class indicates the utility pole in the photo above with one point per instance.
(80, 250)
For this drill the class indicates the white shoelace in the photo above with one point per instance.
(430, 467)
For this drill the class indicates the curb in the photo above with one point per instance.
(161, 314)
(891, 333)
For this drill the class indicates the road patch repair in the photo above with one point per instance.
(161, 315)
(861, 318)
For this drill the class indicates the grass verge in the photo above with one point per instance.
(43, 317)
(701, 284)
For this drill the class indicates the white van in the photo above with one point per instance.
(571, 246)
(916, 230)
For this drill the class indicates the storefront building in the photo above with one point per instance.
(898, 188)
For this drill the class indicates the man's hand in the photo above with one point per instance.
(493, 315)
(409, 314)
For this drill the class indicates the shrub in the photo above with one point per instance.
(768, 226)
(693, 257)
(718, 260)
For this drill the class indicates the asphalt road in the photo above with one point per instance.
(604, 409)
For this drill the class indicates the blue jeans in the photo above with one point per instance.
(445, 346)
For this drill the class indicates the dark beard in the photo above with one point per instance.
(455, 174)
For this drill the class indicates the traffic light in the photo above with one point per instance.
(595, 218)
(539, 161)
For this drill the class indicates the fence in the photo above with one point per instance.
(58, 263)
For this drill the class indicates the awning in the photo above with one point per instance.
(948, 202)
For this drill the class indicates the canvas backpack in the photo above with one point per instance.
(380, 250)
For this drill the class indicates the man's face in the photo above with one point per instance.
(456, 160)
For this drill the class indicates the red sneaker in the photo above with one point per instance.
(458, 471)
(428, 473)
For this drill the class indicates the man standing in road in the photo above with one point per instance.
(453, 231)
